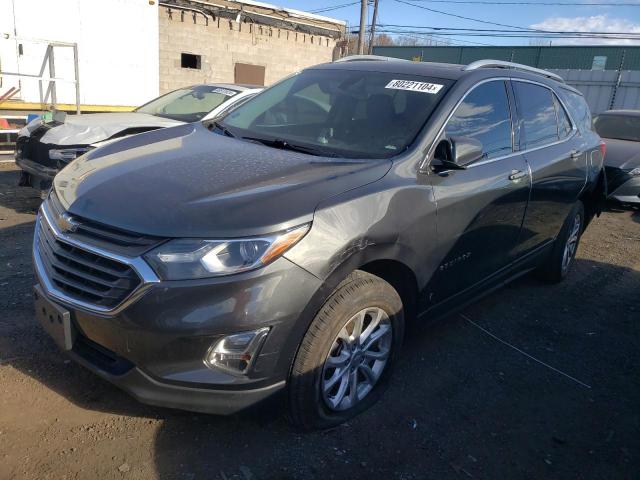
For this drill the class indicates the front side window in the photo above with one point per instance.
(484, 115)
(188, 104)
(621, 127)
(537, 113)
(340, 112)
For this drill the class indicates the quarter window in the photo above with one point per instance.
(538, 114)
(579, 109)
(484, 115)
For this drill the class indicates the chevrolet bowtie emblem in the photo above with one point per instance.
(66, 223)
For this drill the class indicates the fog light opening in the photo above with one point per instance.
(236, 353)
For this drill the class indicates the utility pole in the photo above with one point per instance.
(373, 26)
(363, 26)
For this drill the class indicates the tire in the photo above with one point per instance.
(329, 351)
(556, 265)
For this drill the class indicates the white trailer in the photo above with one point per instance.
(117, 54)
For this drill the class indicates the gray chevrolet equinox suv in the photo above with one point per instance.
(208, 267)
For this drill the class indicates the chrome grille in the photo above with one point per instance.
(81, 274)
(103, 236)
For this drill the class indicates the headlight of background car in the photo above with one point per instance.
(635, 172)
(196, 258)
(67, 154)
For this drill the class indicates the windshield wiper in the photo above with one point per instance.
(223, 129)
(285, 145)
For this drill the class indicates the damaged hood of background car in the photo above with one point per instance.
(97, 127)
(186, 181)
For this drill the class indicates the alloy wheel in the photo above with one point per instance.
(356, 359)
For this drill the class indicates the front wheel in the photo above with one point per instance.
(347, 354)
(556, 266)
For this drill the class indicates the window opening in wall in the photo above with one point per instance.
(189, 60)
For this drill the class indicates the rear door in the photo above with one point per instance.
(557, 155)
(480, 209)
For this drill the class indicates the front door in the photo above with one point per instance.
(480, 209)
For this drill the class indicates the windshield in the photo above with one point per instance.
(188, 104)
(620, 127)
(346, 113)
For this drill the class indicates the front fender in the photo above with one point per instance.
(375, 222)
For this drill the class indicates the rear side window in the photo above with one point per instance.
(537, 113)
(484, 115)
(564, 124)
(579, 109)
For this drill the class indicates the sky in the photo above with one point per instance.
(581, 18)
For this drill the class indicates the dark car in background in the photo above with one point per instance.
(283, 250)
(621, 131)
(44, 147)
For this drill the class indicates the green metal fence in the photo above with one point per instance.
(574, 58)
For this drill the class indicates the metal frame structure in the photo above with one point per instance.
(49, 61)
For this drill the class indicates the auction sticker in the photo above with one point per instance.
(413, 86)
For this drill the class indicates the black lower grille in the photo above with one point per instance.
(101, 357)
(83, 275)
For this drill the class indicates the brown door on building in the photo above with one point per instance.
(249, 74)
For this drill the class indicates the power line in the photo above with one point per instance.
(504, 31)
(334, 7)
(558, 4)
(421, 35)
(499, 33)
(515, 35)
(466, 18)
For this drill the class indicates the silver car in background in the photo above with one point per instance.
(45, 147)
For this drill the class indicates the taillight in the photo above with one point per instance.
(603, 148)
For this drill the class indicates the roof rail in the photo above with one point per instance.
(513, 66)
(369, 58)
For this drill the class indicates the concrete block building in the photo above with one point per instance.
(240, 42)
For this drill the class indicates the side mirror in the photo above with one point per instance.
(455, 153)
(465, 150)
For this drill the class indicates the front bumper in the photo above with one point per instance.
(41, 176)
(628, 193)
(151, 391)
(154, 344)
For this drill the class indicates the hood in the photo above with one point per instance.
(622, 154)
(186, 181)
(95, 127)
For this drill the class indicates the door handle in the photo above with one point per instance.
(576, 154)
(516, 175)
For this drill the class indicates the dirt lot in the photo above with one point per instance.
(463, 403)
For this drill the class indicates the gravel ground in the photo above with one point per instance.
(533, 382)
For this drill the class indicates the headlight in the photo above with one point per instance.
(635, 172)
(195, 258)
(67, 154)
